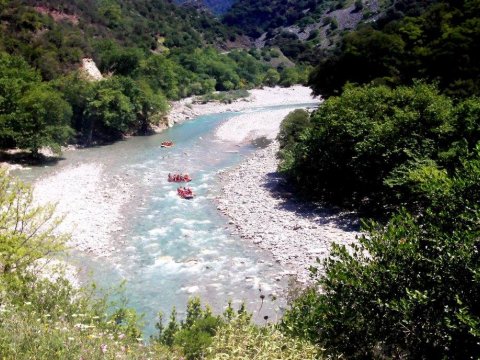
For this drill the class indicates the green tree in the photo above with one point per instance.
(162, 74)
(27, 231)
(43, 119)
(409, 289)
(108, 110)
(291, 132)
(272, 77)
(146, 103)
(358, 141)
(289, 77)
(16, 78)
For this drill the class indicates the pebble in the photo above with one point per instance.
(262, 212)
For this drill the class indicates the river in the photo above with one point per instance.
(170, 248)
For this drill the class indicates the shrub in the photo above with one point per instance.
(239, 339)
(410, 288)
(360, 143)
(290, 133)
(26, 230)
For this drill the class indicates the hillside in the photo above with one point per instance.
(304, 29)
(147, 52)
(54, 35)
(217, 7)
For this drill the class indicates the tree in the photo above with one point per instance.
(16, 78)
(27, 231)
(272, 77)
(43, 119)
(359, 142)
(291, 132)
(145, 102)
(408, 289)
(289, 77)
(108, 109)
(161, 74)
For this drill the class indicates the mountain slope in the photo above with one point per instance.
(255, 17)
(217, 7)
(54, 35)
(304, 29)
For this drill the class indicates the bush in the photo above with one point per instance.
(408, 290)
(193, 335)
(203, 335)
(26, 230)
(239, 339)
(291, 130)
(362, 144)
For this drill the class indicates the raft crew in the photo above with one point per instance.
(167, 144)
(179, 178)
(185, 192)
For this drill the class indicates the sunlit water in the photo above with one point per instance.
(172, 249)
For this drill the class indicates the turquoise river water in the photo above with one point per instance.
(173, 249)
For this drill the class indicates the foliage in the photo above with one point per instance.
(272, 77)
(295, 75)
(26, 230)
(408, 289)
(32, 114)
(440, 44)
(239, 339)
(362, 144)
(55, 45)
(43, 120)
(194, 334)
(109, 108)
(225, 97)
(254, 17)
(202, 335)
(290, 133)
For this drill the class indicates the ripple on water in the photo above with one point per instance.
(158, 231)
(189, 222)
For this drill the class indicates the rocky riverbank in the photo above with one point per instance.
(189, 108)
(90, 204)
(262, 210)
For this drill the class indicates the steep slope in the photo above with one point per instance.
(217, 7)
(305, 29)
(255, 17)
(54, 35)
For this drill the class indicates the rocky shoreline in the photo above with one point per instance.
(91, 205)
(189, 108)
(262, 210)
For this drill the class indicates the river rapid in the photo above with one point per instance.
(169, 249)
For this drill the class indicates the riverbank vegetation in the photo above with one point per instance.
(398, 142)
(149, 53)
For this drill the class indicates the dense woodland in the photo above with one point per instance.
(150, 51)
(396, 140)
(440, 45)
